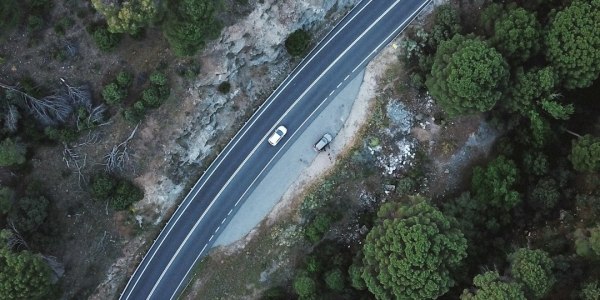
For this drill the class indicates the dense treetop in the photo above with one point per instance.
(467, 75)
(573, 42)
(412, 252)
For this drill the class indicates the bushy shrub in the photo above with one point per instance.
(11, 153)
(113, 94)
(102, 186)
(120, 193)
(63, 135)
(224, 87)
(189, 24)
(29, 213)
(104, 39)
(125, 195)
(124, 79)
(297, 42)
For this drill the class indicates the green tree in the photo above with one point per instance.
(530, 87)
(446, 24)
(297, 42)
(545, 195)
(124, 79)
(11, 153)
(23, 275)
(355, 274)
(305, 286)
(6, 198)
(532, 269)
(585, 154)
(517, 35)
(113, 94)
(189, 24)
(334, 280)
(467, 76)
(105, 40)
(318, 227)
(411, 252)
(490, 286)
(29, 213)
(573, 43)
(493, 192)
(127, 16)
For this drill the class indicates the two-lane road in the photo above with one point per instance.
(206, 210)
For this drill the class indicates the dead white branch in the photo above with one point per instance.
(119, 156)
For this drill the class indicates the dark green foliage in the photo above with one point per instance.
(275, 293)
(158, 79)
(11, 13)
(490, 286)
(113, 94)
(124, 79)
(517, 35)
(467, 76)
(590, 291)
(63, 135)
(556, 110)
(6, 199)
(190, 23)
(23, 275)
(156, 93)
(29, 213)
(102, 186)
(585, 154)
(355, 275)
(573, 43)
(334, 280)
(316, 229)
(34, 23)
(151, 98)
(105, 40)
(297, 42)
(313, 265)
(587, 242)
(120, 193)
(224, 87)
(532, 269)
(62, 24)
(544, 196)
(126, 194)
(536, 163)
(412, 252)
(493, 190)
(446, 25)
(305, 286)
(11, 152)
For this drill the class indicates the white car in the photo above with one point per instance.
(277, 135)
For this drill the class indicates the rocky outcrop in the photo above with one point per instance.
(250, 55)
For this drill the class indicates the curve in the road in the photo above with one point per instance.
(206, 209)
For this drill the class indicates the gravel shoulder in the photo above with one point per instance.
(301, 165)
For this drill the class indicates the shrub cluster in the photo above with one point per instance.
(104, 39)
(297, 42)
(115, 92)
(152, 97)
(120, 193)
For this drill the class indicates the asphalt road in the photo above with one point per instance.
(165, 270)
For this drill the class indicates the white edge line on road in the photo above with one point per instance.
(410, 18)
(220, 158)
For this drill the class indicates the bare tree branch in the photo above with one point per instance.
(16, 240)
(119, 155)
